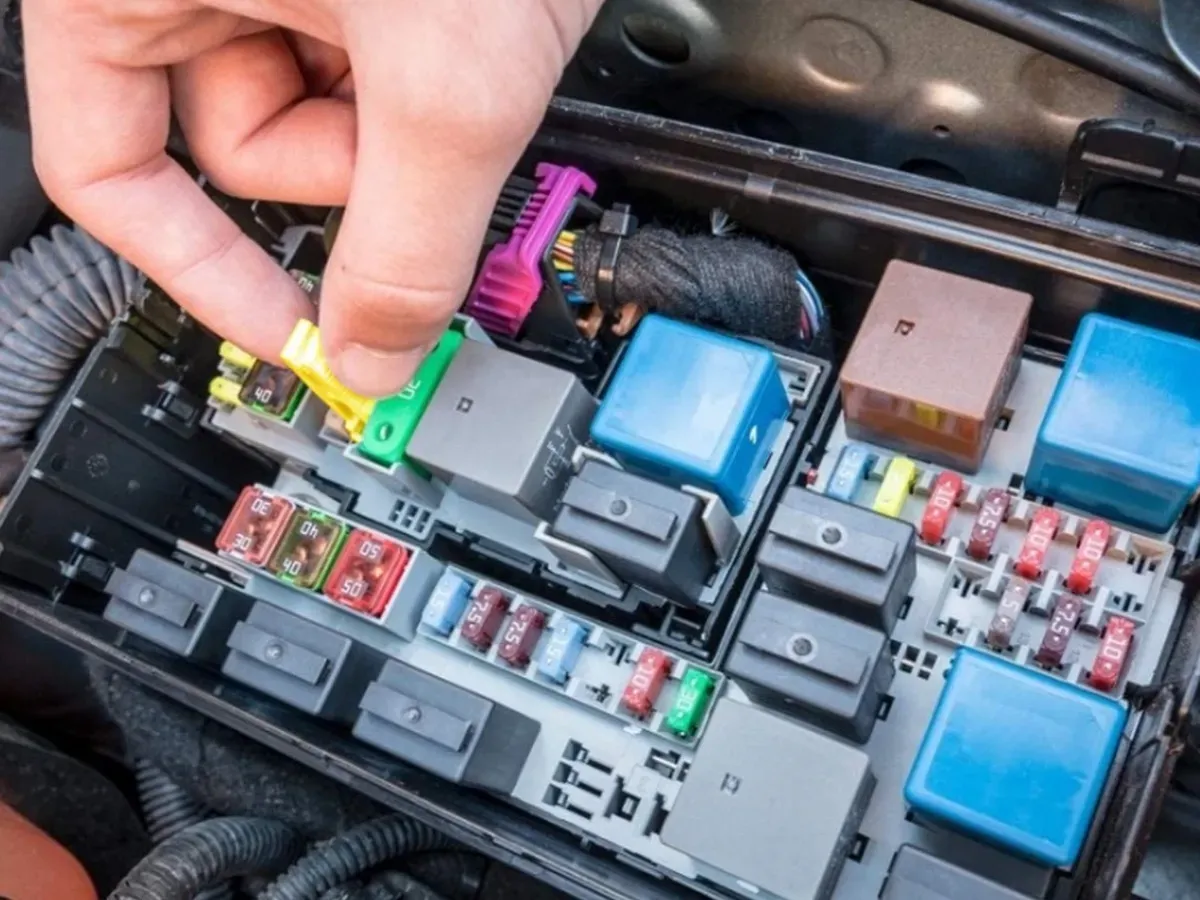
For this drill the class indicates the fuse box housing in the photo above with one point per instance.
(602, 788)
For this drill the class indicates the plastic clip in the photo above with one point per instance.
(511, 277)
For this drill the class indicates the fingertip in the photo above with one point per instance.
(373, 372)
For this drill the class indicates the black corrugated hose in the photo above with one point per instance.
(168, 809)
(344, 858)
(207, 854)
(57, 298)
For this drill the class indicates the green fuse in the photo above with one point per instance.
(308, 549)
(691, 703)
(394, 420)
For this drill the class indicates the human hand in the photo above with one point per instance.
(416, 143)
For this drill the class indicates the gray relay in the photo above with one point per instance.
(501, 430)
(842, 558)
(802, 660)
(771, 803)
(647, 533)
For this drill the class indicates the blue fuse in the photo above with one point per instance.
(849, 473)
(446, 604)
(561, 651)
(1015, 758)
(688, 406)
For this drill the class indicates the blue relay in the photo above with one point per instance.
(1121, 437)
(690, 406)
(1015, 757)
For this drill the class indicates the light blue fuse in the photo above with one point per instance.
(561, 651)
(689, 406)
(849, 472)
(446, 604)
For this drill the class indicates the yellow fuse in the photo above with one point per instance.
(303, 355)
(236, 356)
(898, 480)
(225, 391)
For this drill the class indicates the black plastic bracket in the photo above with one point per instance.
(1117, 151)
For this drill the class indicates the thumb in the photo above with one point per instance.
(436, 139)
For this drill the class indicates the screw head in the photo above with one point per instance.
(413, 714)
(273, 650)
(145, 596)
(618, 507)
(801, 646)
(831, 533)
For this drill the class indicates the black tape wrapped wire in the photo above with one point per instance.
(734, 282)
(58, 297)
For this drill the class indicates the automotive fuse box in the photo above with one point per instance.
(647, 606)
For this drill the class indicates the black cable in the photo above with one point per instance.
(1083, 45)
(168, 810)
(361, 849)
(208, 854)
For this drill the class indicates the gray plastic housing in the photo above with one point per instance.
(803, 661)
(770, 803)
(178, 610)
(917, 875)
(314, 669)
(647, 533)
(842, 558)
(501, 430)
(445, 729)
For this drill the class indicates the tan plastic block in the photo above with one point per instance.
(933, 363)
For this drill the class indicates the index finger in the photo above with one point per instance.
(99, 140)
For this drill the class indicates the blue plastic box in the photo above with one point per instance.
(690, 406)
(1121, 437)
(1015, 757)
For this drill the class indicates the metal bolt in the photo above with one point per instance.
(273, 650)
(618, 507)
(413, 714)
(145, 596)
(801, 646)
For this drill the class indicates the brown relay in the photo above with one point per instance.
(932, 364)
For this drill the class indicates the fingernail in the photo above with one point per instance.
(373, 372)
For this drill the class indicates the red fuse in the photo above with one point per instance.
(1087, 558)
(991, 515)
(521, 636)
(365, 575)
(1033, 552)
(649, 676)
(1112, 655)
(484, 617)
(255, 526)
(1059, 631)
(940, 507)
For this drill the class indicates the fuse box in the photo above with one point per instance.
(651, 586)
